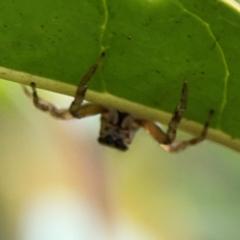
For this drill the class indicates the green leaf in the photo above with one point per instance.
(150, 45)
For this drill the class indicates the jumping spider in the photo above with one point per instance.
(118, 128)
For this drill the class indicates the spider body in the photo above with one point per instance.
(118, 128)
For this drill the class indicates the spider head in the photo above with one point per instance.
(117, 143)
(117, 129)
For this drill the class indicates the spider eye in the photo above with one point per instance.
(106, 140)
(119, 144)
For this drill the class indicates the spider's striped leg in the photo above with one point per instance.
(82, 88)
(64, 114)
(175, 147)
(75, 110)
(177, 115)
(45, 106)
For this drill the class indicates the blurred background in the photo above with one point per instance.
(58, 183)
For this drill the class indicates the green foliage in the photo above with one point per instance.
(150, 45)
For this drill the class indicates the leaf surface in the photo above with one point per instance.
(150, 45)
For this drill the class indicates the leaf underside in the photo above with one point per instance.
(150, 45)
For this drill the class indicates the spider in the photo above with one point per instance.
(118, 128)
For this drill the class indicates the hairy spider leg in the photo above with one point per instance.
(166, 140)
(45, 106)
(156, 132)
(177, 146)
(82, 88)
(76, 110)
(177, 115)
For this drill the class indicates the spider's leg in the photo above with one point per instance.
(64, 114)
(45, 106)
(156, 132)
(82, 88)
(177, 115)
(175, 147)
